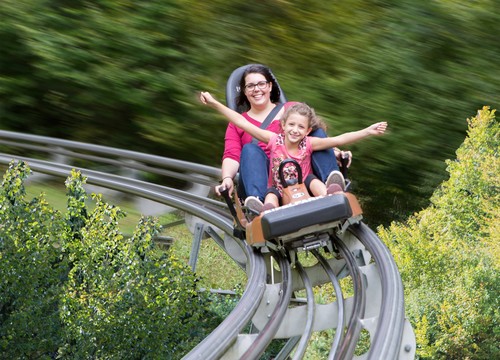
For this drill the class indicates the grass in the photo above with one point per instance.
(55, 193)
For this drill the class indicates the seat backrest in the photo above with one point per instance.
(233, 88)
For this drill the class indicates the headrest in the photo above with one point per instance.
(233, 88)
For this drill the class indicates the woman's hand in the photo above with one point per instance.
(340, 154)
(228, 184)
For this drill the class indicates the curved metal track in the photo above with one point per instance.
(339, 335)
(377, 304)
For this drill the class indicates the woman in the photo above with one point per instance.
(259, 95)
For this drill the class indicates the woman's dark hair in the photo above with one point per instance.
(242, 100)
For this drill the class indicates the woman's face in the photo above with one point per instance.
(257, 89)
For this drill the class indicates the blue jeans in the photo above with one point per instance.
(254, 168)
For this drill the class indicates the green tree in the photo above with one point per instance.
(85, 70)
(449, 253)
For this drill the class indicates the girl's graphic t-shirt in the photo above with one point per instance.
(278, 153)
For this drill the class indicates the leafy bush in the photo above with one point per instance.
(32, 271)
(449, 254)
(73, 287)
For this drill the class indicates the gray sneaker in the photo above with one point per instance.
(253, 204)
(336, 177)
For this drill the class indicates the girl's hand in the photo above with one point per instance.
(377, 128)
(207, 99)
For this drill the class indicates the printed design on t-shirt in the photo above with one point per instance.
(279, 154)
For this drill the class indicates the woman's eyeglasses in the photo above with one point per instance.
(261, 85)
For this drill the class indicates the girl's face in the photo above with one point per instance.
(296, 127)
(257, 89)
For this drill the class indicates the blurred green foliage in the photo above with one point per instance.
(449, 253)
(125, 74)
(74, 288)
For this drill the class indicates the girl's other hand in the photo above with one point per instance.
(377, 128)
(206, 98)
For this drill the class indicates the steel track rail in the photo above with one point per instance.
(304, 339)
(347, 346)
(391, 315)
(216, 344)
(104, 154)
(266, 335)
(394, 298)
(339, 333)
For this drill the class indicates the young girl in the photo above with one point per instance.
(293, 142)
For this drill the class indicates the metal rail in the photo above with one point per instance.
(267, 333)
(306, 335)
(391, 315)
(347, 346)
(384, 318)
(339, 334)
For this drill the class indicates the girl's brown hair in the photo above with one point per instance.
(314, 121)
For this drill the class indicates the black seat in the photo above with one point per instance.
(298, 218)
(233, 88)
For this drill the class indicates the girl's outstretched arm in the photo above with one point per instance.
(236, 118)
(348, 138)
